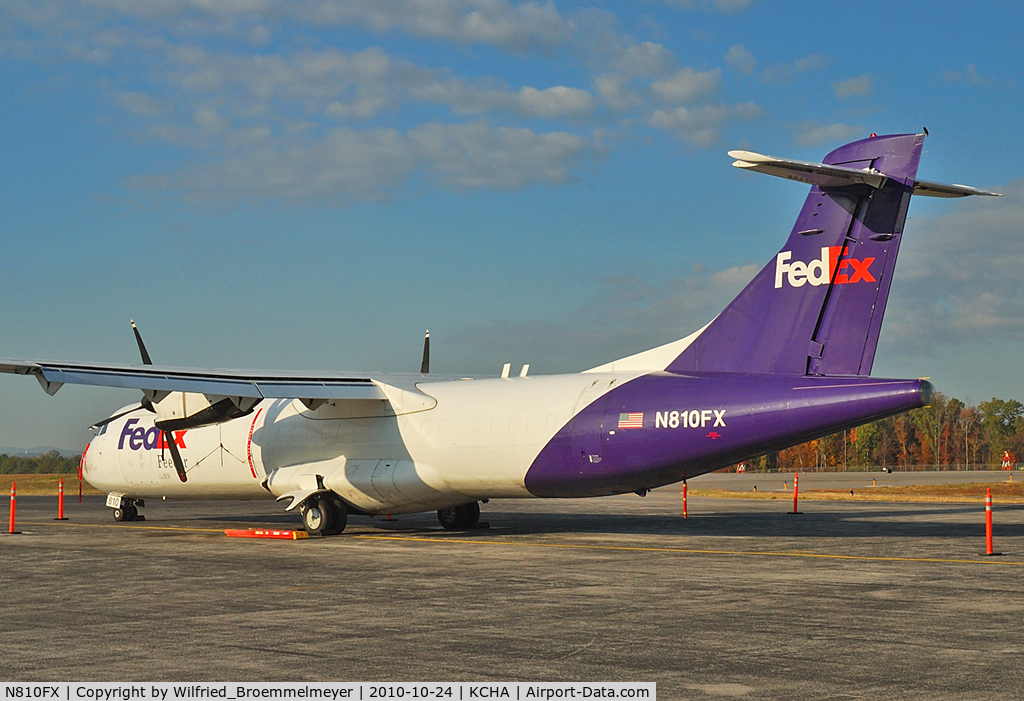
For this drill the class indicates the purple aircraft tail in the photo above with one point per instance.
(817, 307)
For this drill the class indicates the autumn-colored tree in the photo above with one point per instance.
(948, 433)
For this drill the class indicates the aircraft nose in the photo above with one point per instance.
(83, 466)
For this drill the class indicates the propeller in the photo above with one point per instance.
(179, 464)
(104, 422)
(145, 403)
(425, 365)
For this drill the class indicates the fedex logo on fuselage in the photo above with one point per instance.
(141, 438)
(820, 271)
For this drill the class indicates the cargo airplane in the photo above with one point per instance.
(788, 360)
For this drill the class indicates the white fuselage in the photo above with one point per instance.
(476, 442)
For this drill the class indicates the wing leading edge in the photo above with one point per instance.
(52, 375)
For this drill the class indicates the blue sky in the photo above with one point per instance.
(311, 184)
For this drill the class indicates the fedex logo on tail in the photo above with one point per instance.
(820, 271)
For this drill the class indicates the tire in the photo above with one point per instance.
(317, 517)
(339, 515)
(472, 514)
(120, 514)
(133, 513)
(457, 518)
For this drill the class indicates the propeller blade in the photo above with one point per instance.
(104, 422)
(425, 365)
(146, 360)
(179, 464)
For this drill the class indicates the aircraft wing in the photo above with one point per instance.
(250, 384)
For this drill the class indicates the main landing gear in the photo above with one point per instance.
(129, 510)
(323, 514)
(459, 518)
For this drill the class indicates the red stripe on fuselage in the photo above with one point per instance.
(248, 445)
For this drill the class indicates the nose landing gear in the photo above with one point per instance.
(128, 510)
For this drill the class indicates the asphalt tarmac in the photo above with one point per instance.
(742, 600)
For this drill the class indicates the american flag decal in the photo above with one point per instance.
(634, 419)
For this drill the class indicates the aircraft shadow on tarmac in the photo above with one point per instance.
(818, 520)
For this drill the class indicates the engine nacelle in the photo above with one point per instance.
(299, 482)
(183, 410)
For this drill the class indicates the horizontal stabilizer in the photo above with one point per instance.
(820, 174)
(828, 176)
(927, 189)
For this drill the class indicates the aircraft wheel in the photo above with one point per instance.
(339, 514)
(120, 514)
(316, 517)
(133, 513)
(472, 514)
(457, 518)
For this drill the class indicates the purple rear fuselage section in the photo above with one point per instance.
(665, 427)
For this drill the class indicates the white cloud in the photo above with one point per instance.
(633, 66)
(700, 125)
(559, 101)
(614, 90)
(347, 86)
(739, 58)
(643, 59)
(551, 103)
(814, 134)
(958, 279)
(720, 5)
(784, 72)
(471, 156)
(248, 106)
(686, 84)
(859, 86)
(347, 165)
(516, 27)
(970, 75)
(139, 103)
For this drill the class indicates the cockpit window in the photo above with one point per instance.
(103, 429)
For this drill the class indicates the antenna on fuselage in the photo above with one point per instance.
(425, 365)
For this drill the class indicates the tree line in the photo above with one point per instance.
(949, 434)
(47, 463)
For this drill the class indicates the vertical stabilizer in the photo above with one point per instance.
(817, 307)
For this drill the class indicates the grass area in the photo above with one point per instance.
(972, 492)
(43, 485)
